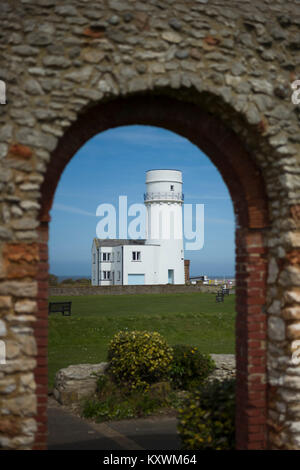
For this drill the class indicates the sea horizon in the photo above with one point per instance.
(88, 276)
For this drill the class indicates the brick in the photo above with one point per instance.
(21, 151)
(20, 260)
(9, 426)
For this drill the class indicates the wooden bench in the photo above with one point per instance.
(220, 296)
(63, 307)
(225, 291)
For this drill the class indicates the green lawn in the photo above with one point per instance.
(195, 319)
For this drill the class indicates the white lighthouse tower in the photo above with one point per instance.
(158, 259)
(164, 200)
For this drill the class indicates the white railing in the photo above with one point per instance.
(161, 196)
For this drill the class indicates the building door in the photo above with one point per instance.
(170, 276)
(134, 279)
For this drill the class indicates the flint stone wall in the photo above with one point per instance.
(220, 74)
(121, 290)
(78, 382)
(225, 366)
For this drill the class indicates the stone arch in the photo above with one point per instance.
(228, 71)
(246, 185)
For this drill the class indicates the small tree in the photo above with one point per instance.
(53, 280)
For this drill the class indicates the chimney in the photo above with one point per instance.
(186, 269)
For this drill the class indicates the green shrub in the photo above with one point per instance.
(110, 409)
(123, 405)
(139, 358)
(206, 420)
(189, 367)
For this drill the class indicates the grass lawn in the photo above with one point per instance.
(195, 319)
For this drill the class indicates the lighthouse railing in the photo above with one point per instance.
(163, 196)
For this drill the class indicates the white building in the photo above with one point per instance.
(159, 259)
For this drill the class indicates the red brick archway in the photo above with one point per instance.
(246, 186)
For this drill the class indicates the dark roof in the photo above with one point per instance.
(117, 242)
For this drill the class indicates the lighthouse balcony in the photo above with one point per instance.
(164, 196)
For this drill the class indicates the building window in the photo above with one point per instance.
(106, 256)
(106, 275)
(172, 187)
(119, 275)
(118, 256)
(136, 256)
(94, 258)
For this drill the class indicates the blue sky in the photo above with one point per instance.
(114, 163)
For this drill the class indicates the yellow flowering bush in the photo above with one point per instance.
(139, 358)
(189, 367)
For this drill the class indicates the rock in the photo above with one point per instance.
(5, 233)
(261, 86)
(278, 33)
(252, 114)
(80, 76)
(276, 329)
(116, 36)
(225, 366)
(77, 382)
(46, 3)
(24, 50)
(282, 91)
(293, 331)
(5, 133)
(114, 20)
(56, 49)
(175, 24)
(35, 138)
(25, 306)
(93, 56)
(93, 14)
(3, 150)
(2, 328)
(268, 55)
(127, 17)
(172, 37)
(33, 87)
(294, 43)
(66, 10)
(238, 69)
(182, 54)
(246, 40)
(39, 39)
(5, 302)
(24, 405)
(26, 223)
(275, 307)
(56, 61)
(19, 289)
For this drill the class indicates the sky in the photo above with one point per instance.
(114, 163)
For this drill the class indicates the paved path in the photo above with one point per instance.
(70, 432)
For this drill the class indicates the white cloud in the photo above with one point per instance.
(73, 210)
